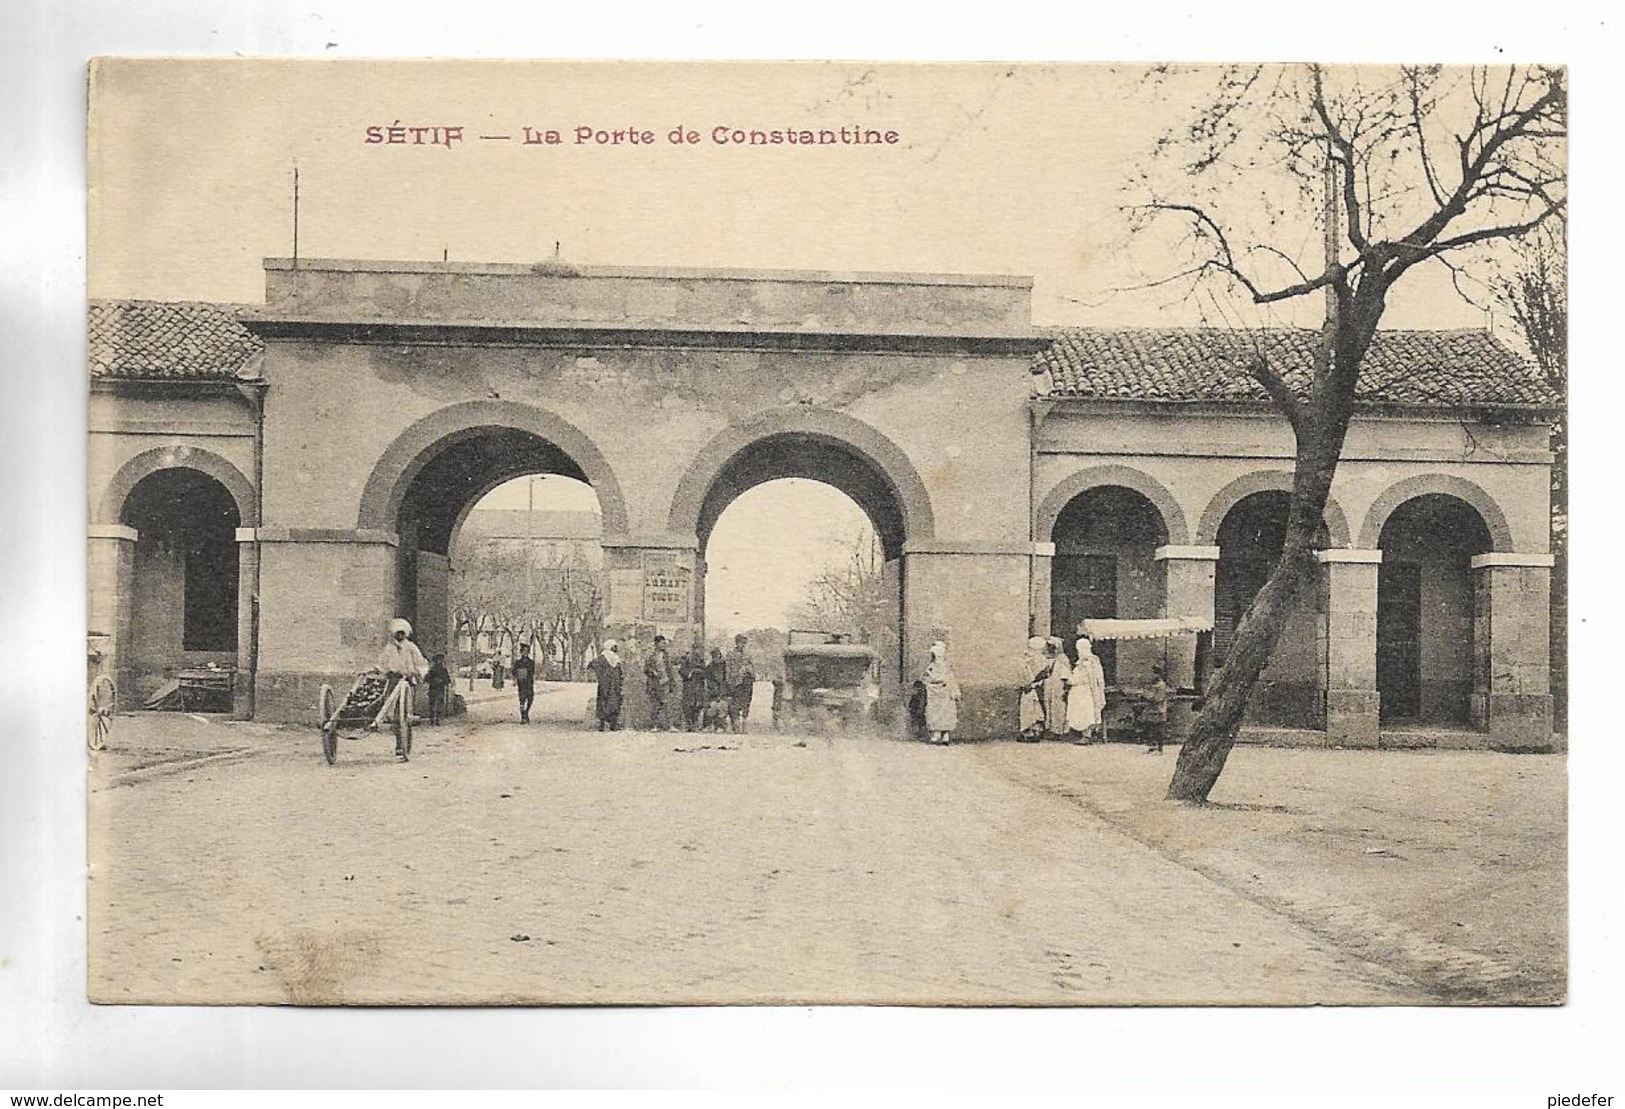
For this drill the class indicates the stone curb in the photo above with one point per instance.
(164, 769)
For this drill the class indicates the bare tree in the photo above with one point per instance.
(848, 596)
(520, 593)
(1535, 292)
(481, 593)
(1409, 166)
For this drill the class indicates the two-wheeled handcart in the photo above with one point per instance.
(376, 701)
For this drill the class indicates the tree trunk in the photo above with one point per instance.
(1202, 757)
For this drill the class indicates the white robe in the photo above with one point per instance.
(1086, 697)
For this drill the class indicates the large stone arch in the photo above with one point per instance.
(1074, 485)
(1265, 481)
(1449, 484)
(835, 428)
(416, 446)
(178, 456)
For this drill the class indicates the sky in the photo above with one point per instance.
(1010, 169)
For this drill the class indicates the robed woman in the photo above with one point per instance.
(941, 695)
(1054, 687)
(1086, 698)
(610, 676)
(1035, 667)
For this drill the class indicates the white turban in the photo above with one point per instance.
(399, 625)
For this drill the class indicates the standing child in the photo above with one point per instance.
(439, 681)
(1155, 713)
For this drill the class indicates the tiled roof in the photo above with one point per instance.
(174, 340)
(1210, 364)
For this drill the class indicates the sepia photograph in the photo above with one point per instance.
(635, 533)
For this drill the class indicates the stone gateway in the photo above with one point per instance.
(270, 483)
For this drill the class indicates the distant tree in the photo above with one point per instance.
(848, 596)
(513, 594)
(1402, 167)
(1534, 290)
(482, 588)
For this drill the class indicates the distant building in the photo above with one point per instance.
(550, 535)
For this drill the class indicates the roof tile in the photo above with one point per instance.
(1210, 364)
(174, 340)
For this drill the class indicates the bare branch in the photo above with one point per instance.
(1345, 158)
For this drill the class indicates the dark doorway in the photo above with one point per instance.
(1399, 640)
(1250, 540)
(1105, 568)
(1426, 654)
(184, 576)
(1084, 587)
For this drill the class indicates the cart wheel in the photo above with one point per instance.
(103, 702)
(330, 724)
(403, 722)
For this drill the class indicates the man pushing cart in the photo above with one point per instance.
(381, 697)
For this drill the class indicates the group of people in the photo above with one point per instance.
(696, 693)
(1066, 699)
(1062, 698)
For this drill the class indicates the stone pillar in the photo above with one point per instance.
(1511, 696)
(432, 625)
(973, 595)
(110, 578)
(889, 645)
(1187, 590)
(326, 598)
(248, 557)
(650, 589)
(1350, 677)
(1038, 604)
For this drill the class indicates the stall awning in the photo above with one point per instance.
(1144, 629)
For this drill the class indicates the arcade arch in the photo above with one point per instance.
(1104, 567)
(184, 575)
(1428, 656)
(1335, 521)
(1250, 536)
(433, 475)
(834, 450)
(1460, 489)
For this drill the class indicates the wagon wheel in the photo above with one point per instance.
(403, 722)
(103, 701)
(330, 724)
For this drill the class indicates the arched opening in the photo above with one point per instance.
(1105, 542)
(794, 555)
(805, 532)
(527, 567)
(477, 564)
(184, 577)
(1250, 539)
(1425, 643)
